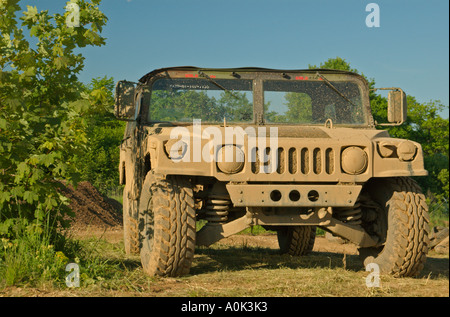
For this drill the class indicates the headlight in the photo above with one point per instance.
(176, 149)
(406, 150)
(230, 159)
(354, 160)
(386, 149)
(403, 149)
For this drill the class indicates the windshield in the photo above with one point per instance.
(208, 99)
(313, 102)
(287, 99)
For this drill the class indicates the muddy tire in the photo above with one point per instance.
(167, 222)
(406, 220)
(296, 240)
(130, 225)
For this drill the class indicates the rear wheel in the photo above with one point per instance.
(296, 240)
(404, 214)
(167, 217)
(130, 225)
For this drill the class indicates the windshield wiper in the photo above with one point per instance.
(202, 74)
(336, 90)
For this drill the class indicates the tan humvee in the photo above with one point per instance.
(286, 149)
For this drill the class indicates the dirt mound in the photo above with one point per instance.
(92, 210)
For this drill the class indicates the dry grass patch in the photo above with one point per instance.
(241, 268)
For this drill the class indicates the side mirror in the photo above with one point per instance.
(124, 106)
(397, 106)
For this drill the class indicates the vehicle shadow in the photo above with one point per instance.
(236, 258)
(435, 267)
(243, 257)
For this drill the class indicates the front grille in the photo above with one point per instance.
(295, 161)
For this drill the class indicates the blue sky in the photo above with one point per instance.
(410, 49)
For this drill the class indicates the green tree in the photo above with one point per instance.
(299, 104)
(197, 104)
(163, 107)
(334, 63)
(185, 105)
(341, 64)
(426, 126)
(43, 110)
(299, 108)
(99, 162)
(235, 107)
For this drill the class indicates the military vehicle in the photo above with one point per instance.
(210, 152)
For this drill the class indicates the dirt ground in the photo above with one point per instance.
(322, 244)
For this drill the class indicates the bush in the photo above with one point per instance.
(29, 257)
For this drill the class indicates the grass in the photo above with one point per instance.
(116, 194)
(30, 260)
(236, 271)
(439, 213)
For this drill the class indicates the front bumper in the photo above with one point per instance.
(292, 195)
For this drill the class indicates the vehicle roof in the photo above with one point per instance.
(149, 75)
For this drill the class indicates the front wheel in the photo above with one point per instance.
(167, 219)
(406, 229)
